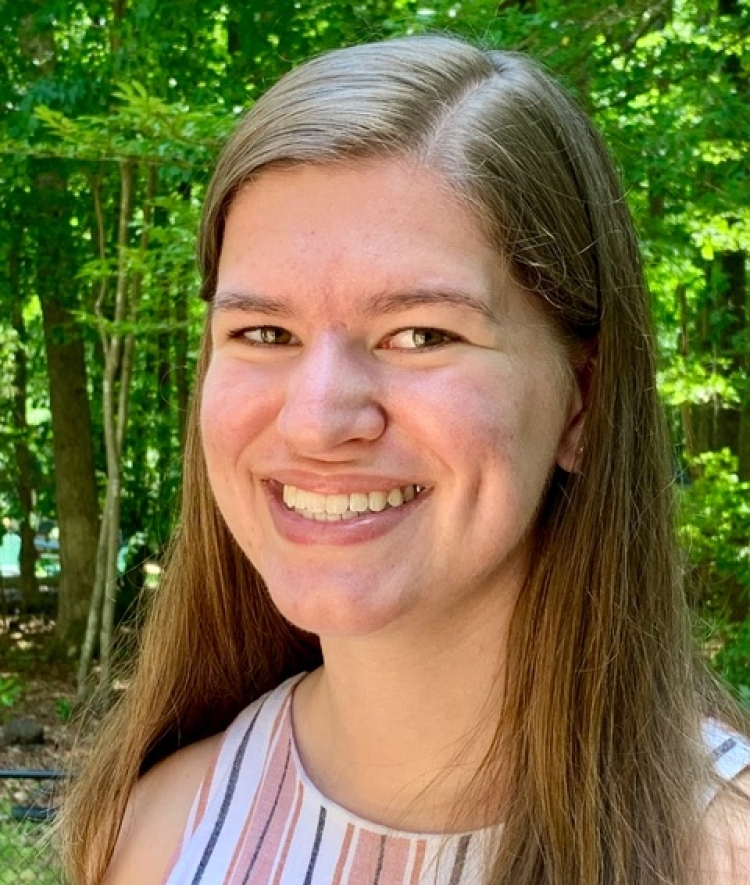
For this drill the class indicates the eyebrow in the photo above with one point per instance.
(393, 302)
(250, 303)
(378, 304)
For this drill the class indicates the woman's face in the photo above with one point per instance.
(384, 405)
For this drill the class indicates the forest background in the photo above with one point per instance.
(111, 115)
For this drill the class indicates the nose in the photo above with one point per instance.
(331, 398)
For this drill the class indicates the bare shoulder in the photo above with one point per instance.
(157, 814)
(726, 859)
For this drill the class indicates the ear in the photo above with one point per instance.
(571, 446)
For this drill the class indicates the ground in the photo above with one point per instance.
(34, 684)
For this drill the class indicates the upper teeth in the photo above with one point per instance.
(332, 508)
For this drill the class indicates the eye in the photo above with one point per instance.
(420, 338)
(265, 336)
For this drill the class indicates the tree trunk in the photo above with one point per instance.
(118, 349)
(73, 453)
(75, 478)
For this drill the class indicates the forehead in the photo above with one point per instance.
(374, 226)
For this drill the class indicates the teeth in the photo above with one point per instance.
(359, 502)
(334, 508)
(378, 501)
(337, 504)
(315, 503)
(395, 497)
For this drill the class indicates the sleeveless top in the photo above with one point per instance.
(258, 820)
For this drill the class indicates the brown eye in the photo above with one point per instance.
(268, 336)
(419, 338)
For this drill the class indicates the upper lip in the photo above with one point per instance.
(341, 484)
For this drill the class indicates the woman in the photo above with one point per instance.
(427, 508)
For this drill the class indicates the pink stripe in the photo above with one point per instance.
(205, 789)
(395, 859)
(365, 858)
(264, 863)
(416, 870)
(290, 834)
(262, 806)
(345, 846)
(283, 718)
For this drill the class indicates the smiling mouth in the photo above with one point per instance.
(337, 508)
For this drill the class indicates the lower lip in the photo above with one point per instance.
(299, 530)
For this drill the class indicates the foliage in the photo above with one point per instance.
(715, 527)
(10, 690)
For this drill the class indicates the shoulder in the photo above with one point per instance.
(157, 815)
(726, 858)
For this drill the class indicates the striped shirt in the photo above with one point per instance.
(259, 820)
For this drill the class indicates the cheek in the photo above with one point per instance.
(481, 429)
(469, 413)
(234, 410)
(497, 426)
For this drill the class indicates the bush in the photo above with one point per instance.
(715, 532)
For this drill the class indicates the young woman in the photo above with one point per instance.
(423, 619)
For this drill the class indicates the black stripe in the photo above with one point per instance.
(267, 824)
(226, 802)
(379, 866)
(722, 750)
(458, 866)
(316, 845)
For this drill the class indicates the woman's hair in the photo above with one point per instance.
(599, 730)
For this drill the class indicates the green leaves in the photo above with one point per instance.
(720, 233)
(697, 381)
(10, 690)
(141, 126)
(715, 528)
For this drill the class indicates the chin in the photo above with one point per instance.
(328, 612)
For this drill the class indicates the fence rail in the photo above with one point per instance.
(28, 801)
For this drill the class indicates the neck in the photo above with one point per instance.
(396, 731)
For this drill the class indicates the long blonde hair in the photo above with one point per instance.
(604, 696)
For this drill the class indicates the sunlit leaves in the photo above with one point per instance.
(142, 127)
(715, 520)
(691, 381)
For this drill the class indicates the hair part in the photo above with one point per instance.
(599, 732)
